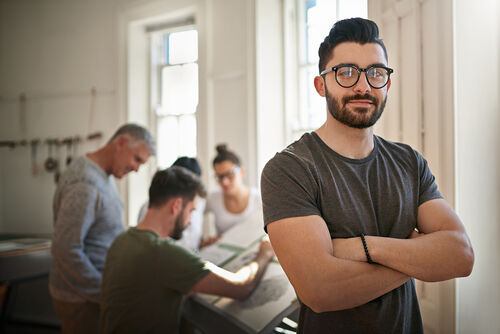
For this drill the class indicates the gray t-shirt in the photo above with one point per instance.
(378, 195)
(87, 218)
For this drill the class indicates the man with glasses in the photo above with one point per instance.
(353, 218)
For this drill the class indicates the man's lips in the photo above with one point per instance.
(361, 102)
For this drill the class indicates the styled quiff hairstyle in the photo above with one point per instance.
(138, 134)
(224, 154)
(356, 30)
(174, 182)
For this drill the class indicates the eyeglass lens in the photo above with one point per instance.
(347, 76)
(230, 175)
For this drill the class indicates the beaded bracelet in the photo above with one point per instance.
(368, 257)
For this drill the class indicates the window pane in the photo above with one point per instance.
(320, 19)
(176, 137)
(183, 47)
(179, 90)
(187, 135)
(316, 112)
(312, 112)
(168, 141)
(352, 8)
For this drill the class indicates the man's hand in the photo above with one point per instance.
(210, 240)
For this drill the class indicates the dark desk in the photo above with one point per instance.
(24, 267)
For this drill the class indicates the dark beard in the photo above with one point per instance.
(178, 227)
(353, 119)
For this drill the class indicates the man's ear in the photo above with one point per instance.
(177, 205)
(319, 84)
(121, 141)
(388, 84)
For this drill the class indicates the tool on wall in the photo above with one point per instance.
(69, 143)
(76, 141)
(22, 113)
(57, 170)
(34, 165)
(50, 163)
(93, 95)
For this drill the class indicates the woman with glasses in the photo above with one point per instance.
(234, 201)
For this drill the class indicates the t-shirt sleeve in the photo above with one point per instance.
(183, 268)
(428, 188)
(288, 189)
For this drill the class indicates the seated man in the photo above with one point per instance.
(191, 236)
(146, 274)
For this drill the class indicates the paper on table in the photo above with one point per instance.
(215, 254)
(245, 233)
(242, 259)
(273, 294)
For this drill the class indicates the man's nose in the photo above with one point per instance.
(362, 86)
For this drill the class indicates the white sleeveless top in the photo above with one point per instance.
(225, 219)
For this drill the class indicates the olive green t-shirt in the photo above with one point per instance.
(144, 281)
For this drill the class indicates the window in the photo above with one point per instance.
(313, 21)
(175, 93)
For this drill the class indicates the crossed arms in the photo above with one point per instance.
(331, 275)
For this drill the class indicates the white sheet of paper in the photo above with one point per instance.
(273, 294)
(245, 233)
(215, 254)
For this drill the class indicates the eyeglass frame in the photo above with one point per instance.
(335, 68)
(230, 175)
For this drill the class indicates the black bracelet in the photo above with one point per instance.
(368, 257)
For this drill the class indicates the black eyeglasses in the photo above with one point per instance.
(348, 75)
(230, 175)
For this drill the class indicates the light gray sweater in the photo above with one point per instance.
(87, 219)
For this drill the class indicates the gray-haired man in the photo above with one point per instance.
(87, 218)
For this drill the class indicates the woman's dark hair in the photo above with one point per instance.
(223, 154)
(190, 163)
(356, 29)
(174, 182)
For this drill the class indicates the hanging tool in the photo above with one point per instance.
(68, 142)
(76, 140)
(50, 163)
(34, 165)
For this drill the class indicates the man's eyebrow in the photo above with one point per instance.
(351, 64)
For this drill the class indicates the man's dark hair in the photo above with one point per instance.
(224, 154)
(174, 182)
(190, 163)
(356, 30)
(137, 133)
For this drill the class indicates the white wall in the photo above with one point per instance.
(477, 70)
(55, 51)
(270, 85)
(231, 81)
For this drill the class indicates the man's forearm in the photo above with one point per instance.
(436, 256)
(252, 273)
(432, 257)
(344, 284)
